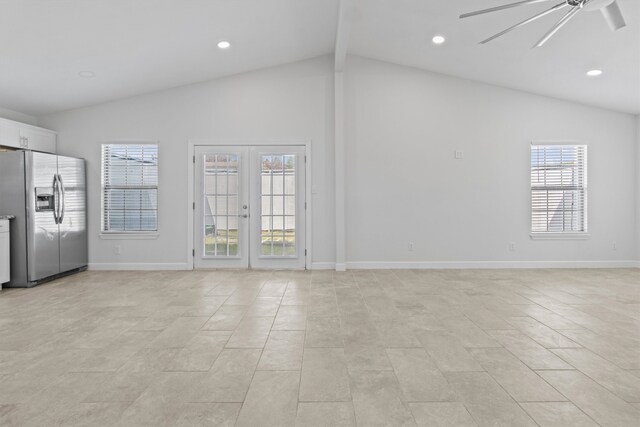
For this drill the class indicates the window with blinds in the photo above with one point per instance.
(558, 188)
(129, 188)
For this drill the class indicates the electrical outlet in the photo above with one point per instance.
(512, 247)
(410, 247)
(117, 250)
(459, 154)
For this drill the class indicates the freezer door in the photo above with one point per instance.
(42, 230)
(73, 213)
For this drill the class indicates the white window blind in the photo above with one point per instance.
(558, 188)
(129, 188)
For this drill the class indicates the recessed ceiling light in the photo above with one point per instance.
(86, 74)
(438, 39)
(594, 73)
(223, 44)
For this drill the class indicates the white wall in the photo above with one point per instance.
(402, 127)
(291, 102)
(17, 116)
(404, 185)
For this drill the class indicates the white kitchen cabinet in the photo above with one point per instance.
(9, 133)
(37, 139)
(22, 136)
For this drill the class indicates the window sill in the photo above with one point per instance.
(560, 236)
(129, 236)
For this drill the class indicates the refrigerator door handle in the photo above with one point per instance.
(56, 198)
(61, 190)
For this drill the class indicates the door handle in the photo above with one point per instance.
(61, 198)
(56, 197)
(244, 216)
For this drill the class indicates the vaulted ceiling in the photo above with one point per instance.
(401, 30)
(141, 46)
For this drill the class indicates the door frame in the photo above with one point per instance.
(192, 143)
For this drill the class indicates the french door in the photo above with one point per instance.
(249, 207)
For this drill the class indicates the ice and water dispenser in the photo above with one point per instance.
(45, 200)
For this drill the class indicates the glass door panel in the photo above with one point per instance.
(278, 200)
(220, 201)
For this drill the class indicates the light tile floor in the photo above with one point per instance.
(367, 348)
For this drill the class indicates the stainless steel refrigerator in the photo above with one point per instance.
(47, 195)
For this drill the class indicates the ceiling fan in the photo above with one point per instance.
(609, 8)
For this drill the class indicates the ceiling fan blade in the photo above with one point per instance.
(526, 21)
(613, 15)
(505, 6)
(566, 18)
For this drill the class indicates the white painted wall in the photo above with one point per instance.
(291, 102)
(402, 126)
(404, 185)
(18, 117)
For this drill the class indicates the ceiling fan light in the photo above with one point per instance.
(594, 73)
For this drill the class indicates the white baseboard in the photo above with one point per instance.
(341, 266)
(323, 265)
(391, 265)
(377, 265)
(138, 266)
